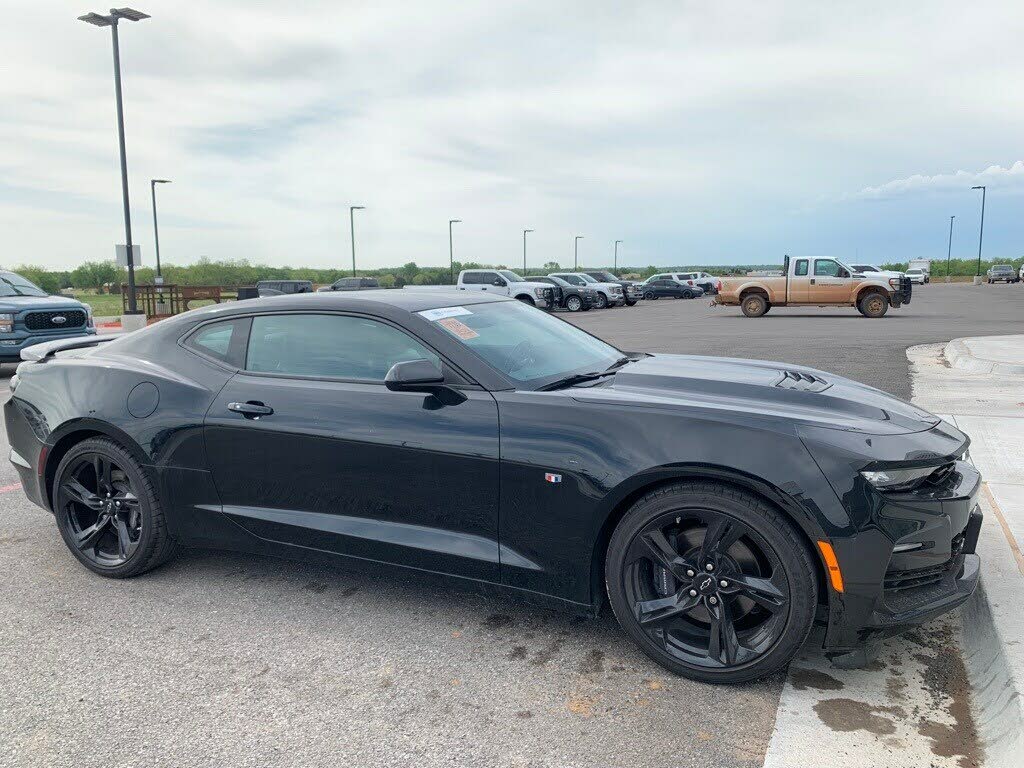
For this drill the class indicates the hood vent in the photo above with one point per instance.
(802, 382)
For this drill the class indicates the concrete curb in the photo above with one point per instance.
(960, 355)
(992, 626)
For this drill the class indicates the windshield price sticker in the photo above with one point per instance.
(458, 328)
(438, 314)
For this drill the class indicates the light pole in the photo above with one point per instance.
(576, 253)
(451, 251)
(981, 230)
(156, 232)
(524, 249)
(615, 261)
(949, 250)
(352, 230)
(96, 19)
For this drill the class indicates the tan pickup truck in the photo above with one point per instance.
(818, 282)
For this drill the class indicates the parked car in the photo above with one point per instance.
(283, 287)
(29, 315)
(721, 506)
(870, 270)
(917, 275)
(505, 282)
(924, 265)
(608, 294)
(666, 288)
(630, 290)
(703, 280)
(352, 284)
(574, 298)
(1004, 273)
(815, 281)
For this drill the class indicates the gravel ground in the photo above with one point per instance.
(221, 659)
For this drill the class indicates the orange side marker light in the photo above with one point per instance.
(834, 574)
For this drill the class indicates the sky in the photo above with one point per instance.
(695, 132)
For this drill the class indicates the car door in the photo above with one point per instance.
(799, 282)
(308, 448)
(832, 283)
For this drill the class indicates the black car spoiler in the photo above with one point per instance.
(38, 352)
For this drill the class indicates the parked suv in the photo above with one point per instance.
(704, 281)
(29, 315)
(608, 294)
(505, 282)
(568, 296)
(352, 284)
(1004, 273)
(671, 289)
(630, 289)
(278, 287)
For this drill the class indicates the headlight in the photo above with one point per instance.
(898, 479)
(6, 323)
(88, 315)
(894, 282)
(538, 292)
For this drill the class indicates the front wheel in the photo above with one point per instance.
(873, 305)
(711, 582)
(574, 303)
(687, 295)
(602, 301)
(108, 512)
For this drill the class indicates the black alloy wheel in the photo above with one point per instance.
(687, 294)
(650, 296)
(107, 511)
(711, 582)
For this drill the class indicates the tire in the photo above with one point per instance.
(650, 296)
(93, 476)
(602, 301)
(574, 303)
(873, 304)
(757, 542)
(754, 305)
(630, 303)
(686, 295)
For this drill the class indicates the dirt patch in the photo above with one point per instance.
(851, 715)
(497, 621)
(802, 679)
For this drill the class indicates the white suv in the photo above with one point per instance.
(870, 270)
(505, 282)
(608, 294)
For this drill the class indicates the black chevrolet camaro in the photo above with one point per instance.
(721, 506)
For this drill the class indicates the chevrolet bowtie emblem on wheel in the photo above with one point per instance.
(58, 320)
(551, 477)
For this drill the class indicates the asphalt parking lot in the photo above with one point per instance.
(223, 659)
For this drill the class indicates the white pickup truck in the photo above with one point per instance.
(505, 282)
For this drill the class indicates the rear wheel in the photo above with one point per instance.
(873, 305)
(754, 305)
(711, 582)
(574, 303)
(108, 512)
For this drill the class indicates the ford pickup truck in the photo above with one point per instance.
(816, 282)
(28, 315)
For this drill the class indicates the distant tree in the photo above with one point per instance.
(551, 266)
(96, 274)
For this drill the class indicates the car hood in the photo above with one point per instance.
(754, 390)
(21, 303)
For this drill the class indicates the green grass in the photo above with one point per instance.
(103, 305)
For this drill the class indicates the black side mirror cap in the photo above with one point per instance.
(422, 376)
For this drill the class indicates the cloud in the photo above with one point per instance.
(995, 176)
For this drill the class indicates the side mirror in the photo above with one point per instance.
(422, 376)
(843, 273)
(499, 283)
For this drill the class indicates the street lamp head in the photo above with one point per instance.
(357, 207)
(454, 221)
(527, 230)
(96, 20)
(99, 20)
(128, 13)
(981, 186)
(160, 181)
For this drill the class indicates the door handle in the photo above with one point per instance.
(812, 281)
(252, 409)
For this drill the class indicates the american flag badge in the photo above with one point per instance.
(551, 477)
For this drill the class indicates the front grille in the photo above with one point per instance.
(49, 321)
(802, 382)
(896, 581)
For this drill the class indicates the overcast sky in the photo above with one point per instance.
(695, 132)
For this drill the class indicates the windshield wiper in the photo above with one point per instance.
(619, 363)
(576, 378)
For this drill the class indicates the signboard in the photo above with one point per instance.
(121, 253)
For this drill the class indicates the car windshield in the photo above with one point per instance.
(913, 271)
(864, 268)
(587, 278)
(12, 284)
(526, 344)
(512, 277)
(608, 277)
(1003, 268)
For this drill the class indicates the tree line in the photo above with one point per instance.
(104, 275)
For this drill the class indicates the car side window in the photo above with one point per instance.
(488, 278)
(801, 268)
(222, 341)
(472, 278)
(826, 268)
(329, 346)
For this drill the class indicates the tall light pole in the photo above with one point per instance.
(981, 229)
(615, 261)
(949, 250)
(451, 251)
(156, 232)
(576, 253)
(352, 230)
(524, 249)
(96, 19)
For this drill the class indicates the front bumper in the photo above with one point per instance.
(888, 591)
(11, 344)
